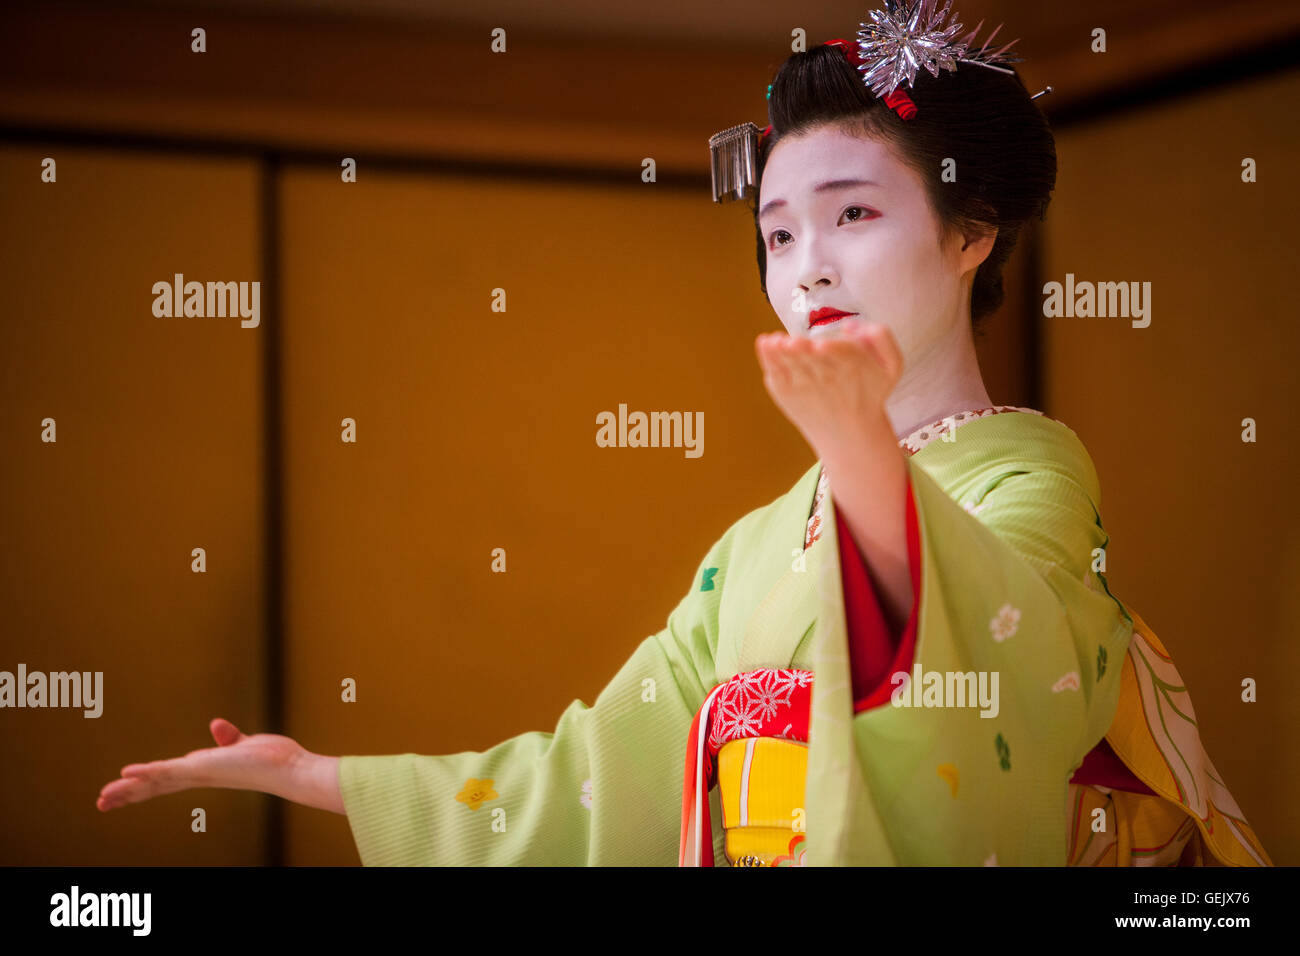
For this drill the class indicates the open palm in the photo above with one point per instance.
(239, 762)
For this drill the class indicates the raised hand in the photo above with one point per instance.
(832, 387)
(270, 763)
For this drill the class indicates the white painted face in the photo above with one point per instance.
(847, 224)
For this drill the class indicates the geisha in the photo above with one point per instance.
(936, 533)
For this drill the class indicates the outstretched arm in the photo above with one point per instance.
(269, 763)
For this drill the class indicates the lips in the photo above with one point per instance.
(826, 315)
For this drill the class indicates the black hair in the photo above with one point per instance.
(983, 119)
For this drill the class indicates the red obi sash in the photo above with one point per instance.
(762, 703)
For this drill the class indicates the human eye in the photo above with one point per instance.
(866, 213)
(863, 214)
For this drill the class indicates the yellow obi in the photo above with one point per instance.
(761, 786)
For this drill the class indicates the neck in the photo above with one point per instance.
(940, 383)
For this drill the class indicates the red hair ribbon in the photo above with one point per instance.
(901, 103)
(898, 101)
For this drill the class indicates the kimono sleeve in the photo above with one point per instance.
(1013, 681)
(1014, 557)
(604, 788)
(1044, 514)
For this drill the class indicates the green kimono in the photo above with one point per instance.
(1009, 532)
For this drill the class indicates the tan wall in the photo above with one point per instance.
(158, 452)
(1205, 535)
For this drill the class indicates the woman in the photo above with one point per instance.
(918, 637)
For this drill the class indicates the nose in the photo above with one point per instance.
(817, 272)
(822, 278)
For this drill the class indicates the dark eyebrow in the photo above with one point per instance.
(819, 188)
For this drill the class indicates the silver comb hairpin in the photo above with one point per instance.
(735, 162)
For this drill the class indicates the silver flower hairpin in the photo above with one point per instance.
(901, 39)
(909, 34)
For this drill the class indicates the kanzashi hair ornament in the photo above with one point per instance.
(900, 103)
(904, 37)
(909, 34)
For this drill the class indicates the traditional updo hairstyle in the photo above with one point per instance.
(984, 120)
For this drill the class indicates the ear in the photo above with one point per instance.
(975, 248)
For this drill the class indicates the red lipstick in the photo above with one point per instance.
(826, 315)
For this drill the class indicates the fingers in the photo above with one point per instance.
(882, 342)
(224, 732)
(844, 345)
(142, 781)
(776, 371)
(139, 782)
(787, 359)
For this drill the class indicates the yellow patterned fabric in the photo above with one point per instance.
(761, 785)
(1192, 819)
